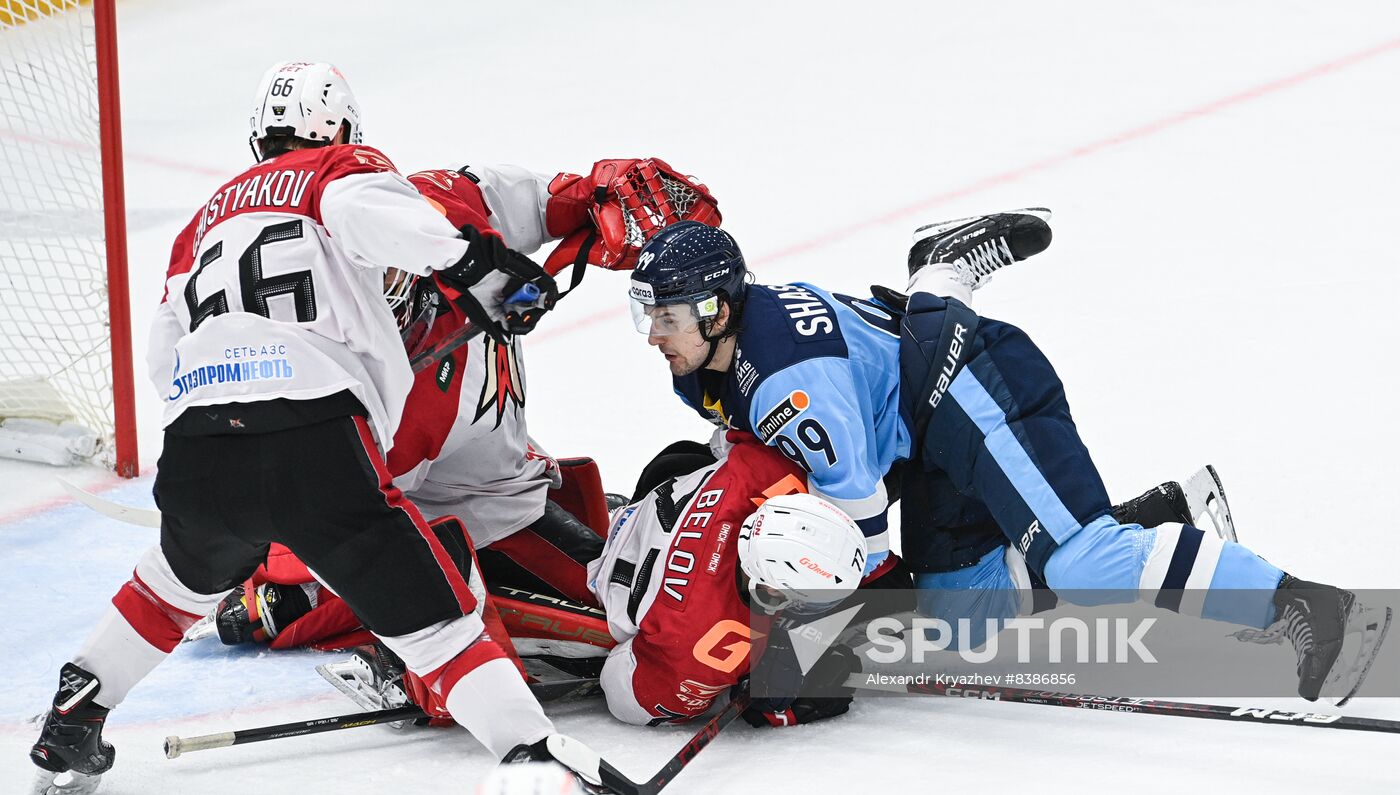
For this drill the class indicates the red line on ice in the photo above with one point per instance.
(556, 330)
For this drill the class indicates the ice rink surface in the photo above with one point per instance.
(1222, 288)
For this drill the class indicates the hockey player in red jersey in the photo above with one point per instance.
(284, 379)
(684, 562)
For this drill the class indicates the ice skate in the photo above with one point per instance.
(1336, 637)
(70, 752)
(976, 247)
(372, 678)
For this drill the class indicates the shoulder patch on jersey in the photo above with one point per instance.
(373, 158)
(780, 415)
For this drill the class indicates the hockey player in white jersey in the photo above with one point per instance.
(284, 379)
(463, 448)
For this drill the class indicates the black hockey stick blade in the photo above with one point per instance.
(615, 781)
(1181, 709)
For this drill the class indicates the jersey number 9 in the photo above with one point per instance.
(813, 436)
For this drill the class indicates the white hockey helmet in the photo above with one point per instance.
(305, 100)
(801, 553)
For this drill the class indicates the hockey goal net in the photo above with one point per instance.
(65, 340)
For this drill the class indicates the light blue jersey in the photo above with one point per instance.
(817, 376)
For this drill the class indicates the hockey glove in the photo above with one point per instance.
(487, 276)
(778, 671)
(828, 675)
(628, 201)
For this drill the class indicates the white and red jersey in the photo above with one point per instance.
(275, 288)
(667, 580)
(463, 448)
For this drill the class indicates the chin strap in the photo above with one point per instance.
(731, 330)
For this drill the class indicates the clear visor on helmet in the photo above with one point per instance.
(663, 320)
(770, 600)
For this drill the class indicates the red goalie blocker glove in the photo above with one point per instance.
(627, 202)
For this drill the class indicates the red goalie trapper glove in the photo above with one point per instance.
(627, 202)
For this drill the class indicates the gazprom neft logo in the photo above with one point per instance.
(1068, 639)
(240, 369)
(641, 291)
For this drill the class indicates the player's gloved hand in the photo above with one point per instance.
(483, 282)
(628, 201)
(827, 676)
(777, 670)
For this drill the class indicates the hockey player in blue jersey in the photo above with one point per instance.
(994, 475)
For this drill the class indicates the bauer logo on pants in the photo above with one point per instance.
(776, 419)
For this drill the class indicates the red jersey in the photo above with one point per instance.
(668, 582)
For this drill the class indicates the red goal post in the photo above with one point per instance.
(66, 378)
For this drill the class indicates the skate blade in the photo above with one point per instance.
(1205, 497)
(1365, 646)
(200, 630)
(939, 227)
(353, 678)
(70, 783)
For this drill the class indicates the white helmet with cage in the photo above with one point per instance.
(305, 100)
(800, 553)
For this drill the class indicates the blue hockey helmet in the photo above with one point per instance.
(683, 276)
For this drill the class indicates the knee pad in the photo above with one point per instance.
(1100, 564)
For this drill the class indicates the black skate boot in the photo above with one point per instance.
(976, 247)
(1198, 501)
(71, 740)
(257, 615)
(1336, 637)
(1164, 504)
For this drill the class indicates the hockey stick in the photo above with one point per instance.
(614, 780)
(1181, 709)
(175, 746)
(527, 295)
(142, 517)
(444, 348)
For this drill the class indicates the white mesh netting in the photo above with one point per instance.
(682, 197)
(54, 343)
